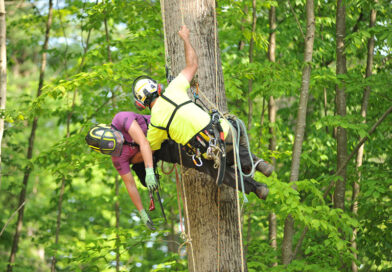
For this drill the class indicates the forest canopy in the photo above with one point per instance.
(65, 208)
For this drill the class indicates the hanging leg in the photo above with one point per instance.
(169, 153)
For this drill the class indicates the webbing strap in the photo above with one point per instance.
(177, 106)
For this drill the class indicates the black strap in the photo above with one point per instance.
(177, 106)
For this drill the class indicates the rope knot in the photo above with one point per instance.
(188, 240)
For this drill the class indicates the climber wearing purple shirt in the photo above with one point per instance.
(133, 127)
(122, 122)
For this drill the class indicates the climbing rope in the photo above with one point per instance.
(170, 171)
(188, 235)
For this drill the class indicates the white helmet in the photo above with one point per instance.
(144, 90)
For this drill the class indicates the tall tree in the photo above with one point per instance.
(27, 171)
(251, 57)
(3, 72)
(341, 69)
(272, 109)
(359, 159)
(204, 203)
(287, 250)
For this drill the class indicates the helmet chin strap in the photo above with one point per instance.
(152, 103)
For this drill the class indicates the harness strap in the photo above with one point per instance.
(177, 106)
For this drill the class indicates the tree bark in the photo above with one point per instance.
(287, 250)
(201, 191)
(359, 159)
(251, 49)
(27, 171)
(272, 109)
(341, 136)
(3, 73)
(241, 44)
(58, 224)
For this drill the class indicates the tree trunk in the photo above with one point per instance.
(3, 72)
(272, 121)
(241, 44)
(341, 136)
(117, 211)
(287, 250)
(366, 93)
(27, 171)
(251, 49)
(58, 224)
(210, 249)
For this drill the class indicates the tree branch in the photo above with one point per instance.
(12, 216)
(296, 19)
(355, 150)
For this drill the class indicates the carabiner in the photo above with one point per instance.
(212, 142)
(195, 162)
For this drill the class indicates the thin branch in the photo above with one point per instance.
(355, 150)
(299, 244)
(296, 19)
(361, 142)
(12, 216)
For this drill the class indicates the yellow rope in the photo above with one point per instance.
(188, 238)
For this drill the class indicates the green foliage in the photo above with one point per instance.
(83, 87)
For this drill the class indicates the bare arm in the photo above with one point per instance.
(138, 158)
(190, 55)
(138, 136)
(132, 190)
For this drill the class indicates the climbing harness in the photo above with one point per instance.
(209, 142)
(176, 108)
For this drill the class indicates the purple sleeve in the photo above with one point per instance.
(122, 121)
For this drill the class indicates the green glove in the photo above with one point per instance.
(146, 219)
(151, 181)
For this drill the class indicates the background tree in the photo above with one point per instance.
(28, 168)
(3, 72)
(359, 158)
(287, 252)
(272, 109)
(341, 69)
(91, 235)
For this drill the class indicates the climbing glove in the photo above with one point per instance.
(146, 219)
(151, 180)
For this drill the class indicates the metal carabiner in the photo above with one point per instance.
(212, 142)
(195, 162)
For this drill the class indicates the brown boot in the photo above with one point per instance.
(264, 167)
(262, 191)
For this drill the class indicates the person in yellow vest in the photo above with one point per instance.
(175, 117)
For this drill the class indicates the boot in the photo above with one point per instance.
(264, 167)
(262, 191)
